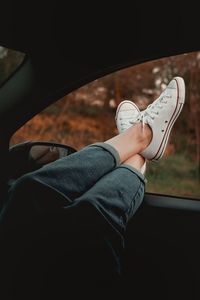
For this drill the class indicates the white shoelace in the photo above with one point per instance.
(152, 110)
(128, 121)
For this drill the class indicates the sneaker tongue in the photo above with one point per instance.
(126, 123)
(130, 116)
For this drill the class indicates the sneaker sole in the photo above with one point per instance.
(178, 108)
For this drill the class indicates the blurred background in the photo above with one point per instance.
(87, 115)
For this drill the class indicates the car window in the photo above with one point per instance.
(10, 60)
(87, 115)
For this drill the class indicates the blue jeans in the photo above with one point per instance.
(92, 175)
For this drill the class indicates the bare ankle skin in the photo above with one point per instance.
(136, 161)
(133, 141)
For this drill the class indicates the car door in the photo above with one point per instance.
(162, 258)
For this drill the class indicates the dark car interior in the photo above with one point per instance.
(162, 258)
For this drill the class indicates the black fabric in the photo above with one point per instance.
(56, 253)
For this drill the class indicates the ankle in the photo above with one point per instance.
(142, 134)
(146, 135)
(136, 161)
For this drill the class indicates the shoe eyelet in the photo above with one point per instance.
(166, 121)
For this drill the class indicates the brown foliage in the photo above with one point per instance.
(72, 129)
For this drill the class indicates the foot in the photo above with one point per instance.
(127, 115)
(161, 116)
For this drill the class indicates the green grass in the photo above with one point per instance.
(175, 175)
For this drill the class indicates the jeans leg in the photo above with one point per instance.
(117, 196)
(59, 183)
(73, 175)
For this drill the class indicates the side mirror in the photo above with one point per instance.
(30, 156)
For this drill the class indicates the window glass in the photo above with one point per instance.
(9, 61)
(87, 115)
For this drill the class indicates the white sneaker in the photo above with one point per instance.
(127, 114)
(161, 116)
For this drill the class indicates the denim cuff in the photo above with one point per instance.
(135, 171)
(110, 149)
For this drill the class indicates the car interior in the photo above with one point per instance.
(68, 46)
